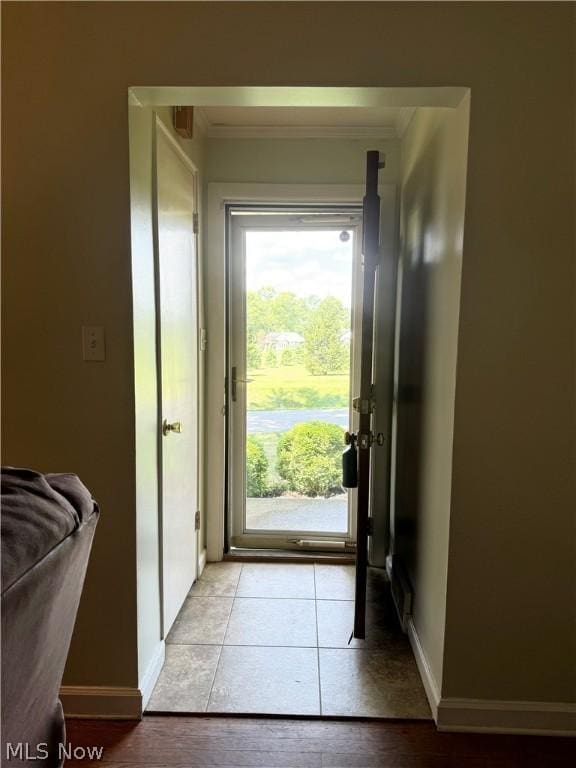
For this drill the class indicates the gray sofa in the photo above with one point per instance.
(48, 523)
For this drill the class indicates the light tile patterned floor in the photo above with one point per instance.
(273, 639)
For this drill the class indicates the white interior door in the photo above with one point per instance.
(178, 358)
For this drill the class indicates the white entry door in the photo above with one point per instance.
(177, 313)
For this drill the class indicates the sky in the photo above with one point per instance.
(313, 263)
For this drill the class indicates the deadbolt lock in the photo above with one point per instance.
(364, 440)
(349, 438)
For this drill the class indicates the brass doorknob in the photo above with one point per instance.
(174, 427)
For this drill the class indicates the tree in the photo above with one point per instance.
(269, 311)
(288, 313)
(259, 315)
(324, 350)
(253, 350)
(271, 358)
(292, 355)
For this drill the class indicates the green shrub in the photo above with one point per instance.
(275, 488)
(253, 352)
(256, 468)
(270, 358)
(310, 458)
(292, 356)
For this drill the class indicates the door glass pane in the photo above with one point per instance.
(298, 338)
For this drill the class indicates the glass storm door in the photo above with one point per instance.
(294, 277)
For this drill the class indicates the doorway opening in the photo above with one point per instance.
(270, 638)
(292, 353)
(275, 163)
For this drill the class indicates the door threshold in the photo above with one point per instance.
(246, 555)
(389, 719)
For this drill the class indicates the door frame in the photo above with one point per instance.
(219, 196)
(236, 435)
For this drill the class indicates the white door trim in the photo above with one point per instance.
(214, 270)
(237, 227)
(152, 673)
(175, 146)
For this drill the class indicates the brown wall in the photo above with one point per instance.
(66, 240)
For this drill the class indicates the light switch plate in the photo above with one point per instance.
(93, 343)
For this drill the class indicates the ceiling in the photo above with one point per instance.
(303, 122)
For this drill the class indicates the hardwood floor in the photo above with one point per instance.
(205, 742)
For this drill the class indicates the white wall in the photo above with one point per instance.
(434, 156)
(297, 161)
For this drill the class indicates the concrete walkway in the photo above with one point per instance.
(283, 513)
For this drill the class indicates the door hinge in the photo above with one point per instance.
(197, 521)
(203, 339)
(370, 526)
(195, 223)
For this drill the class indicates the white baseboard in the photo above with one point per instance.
(101, 702)
(202, 562)
(113, 703)
(151, 675)
(428, 679)
(486, 716)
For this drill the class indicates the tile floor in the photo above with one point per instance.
(273, 639)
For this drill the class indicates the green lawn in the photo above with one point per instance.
(291, 386)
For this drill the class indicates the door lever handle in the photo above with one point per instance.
(176, 426)
(235, 381)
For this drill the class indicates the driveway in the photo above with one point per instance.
(280, 421)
